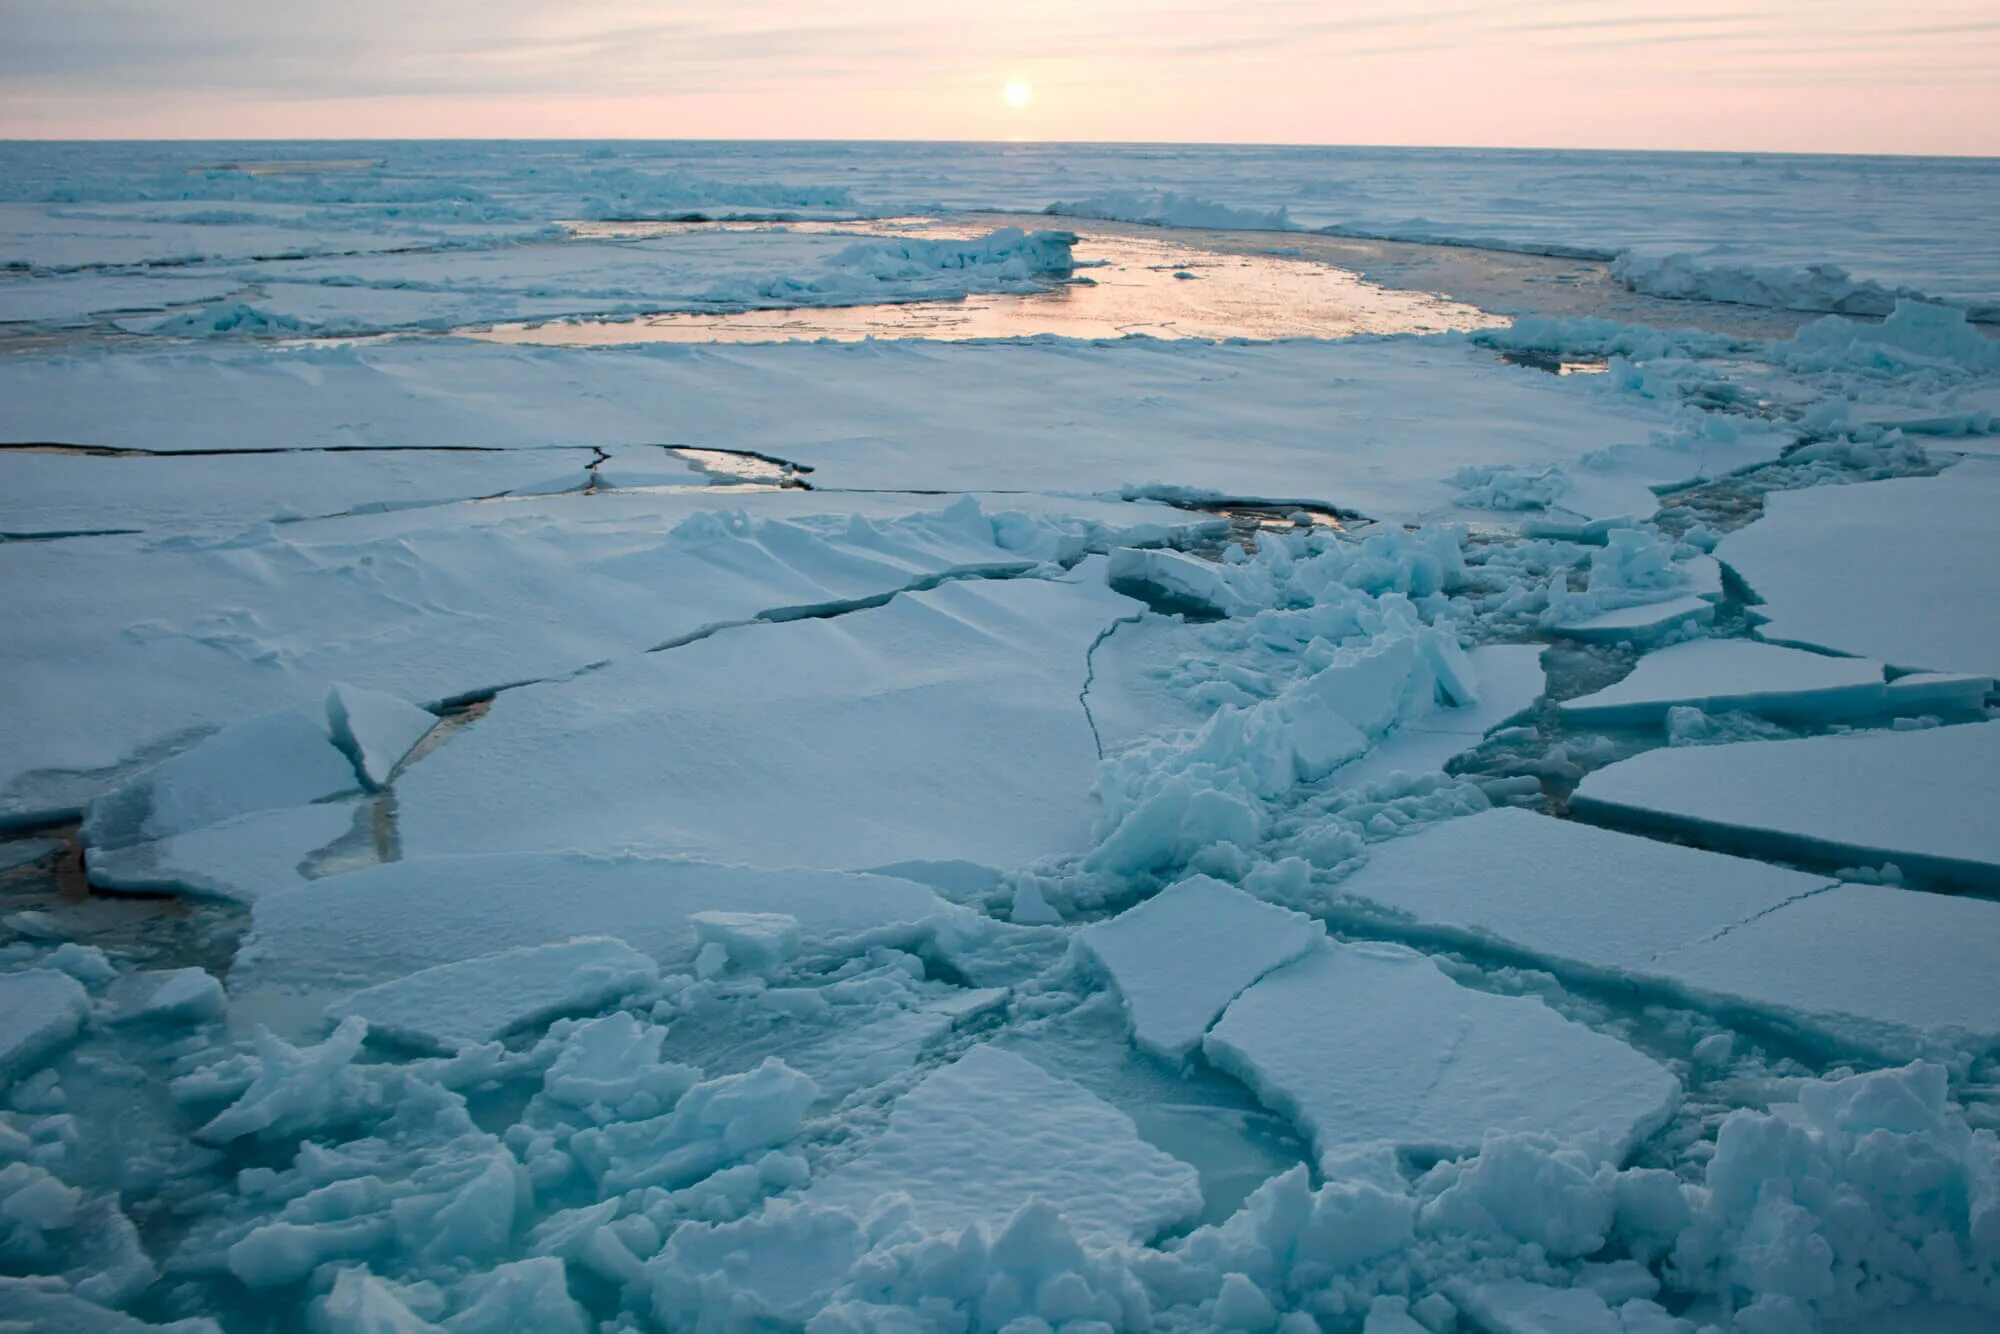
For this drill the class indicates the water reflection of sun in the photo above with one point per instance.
(1017, 94)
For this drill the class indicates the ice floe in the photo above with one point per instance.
(1919, 799)
(1888, 570)
(1767, 679)
(1456, 1066)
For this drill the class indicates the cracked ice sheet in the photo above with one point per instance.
(1716, 674)
(1376, 426)
(1883, 969)
(1921, 799)
(942, 726)
(984, 1136)
(1184, 954)
(383, 923)
(442, 603)
(69, 493)
(1897, 570)
(1367, 1047)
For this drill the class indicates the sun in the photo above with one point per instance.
(1017, 94)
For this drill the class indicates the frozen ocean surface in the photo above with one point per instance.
(616, 736)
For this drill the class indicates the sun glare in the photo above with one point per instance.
(1016, 94)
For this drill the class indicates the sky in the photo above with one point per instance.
(1843, 76)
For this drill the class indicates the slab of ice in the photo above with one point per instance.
(443, 603)
(984, 1136)
(1406, 416)
(1939, 692)
(1372, 1046)
(1888, 570)
(40, 1011)
(174, 995)
(1882, 969)
(1890, 970)
(376, 730)
(386, 921)
(260, 764)
(1718, 674)
(1173, 581)
(1921, 799)
(1642, 624)
(456, 1005)
(241, 859)
(1566, 893)
(1184, 954)
(68, 493)
(838, 742)
(1509, 679)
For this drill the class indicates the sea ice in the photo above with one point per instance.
(43, 1010)
(1892, 570)
(1642, 624)
(1921, 799)
(260, 764)
(173, 995)
(477, 1000)
(376, 730)
(241, 858)
(1509, 680)
(381, 923)
(1371, 1046)
(1184, 954)
(837, 742)
(1718, 674)
(1863, 966)
(984, 1136)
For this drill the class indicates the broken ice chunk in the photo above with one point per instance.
(1372, 1047)
(1172, 581)
(41, 1010)
(1642, 624)
(240, 858)
(375, 729)
(175, 996)
(1883, 969)
(260, 764)
(1717, 674)
(1185, 953)
(984, 1136)
(1515, 1306)
(1922, 800)
(479, 1000)
(755, 942)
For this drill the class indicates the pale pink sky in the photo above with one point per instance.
(1921, 76)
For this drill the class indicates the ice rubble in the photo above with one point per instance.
(1840, 567)
(1919, 799)
(1857, 966)
(1184, 954)
(1457, 1066)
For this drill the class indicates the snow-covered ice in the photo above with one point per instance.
(1918, 799)
(1059, 813)
(1180, 957)
(1456, 1066)
(478, 1000)
(1893, 570)
(1717, 674)
(992, 1132)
